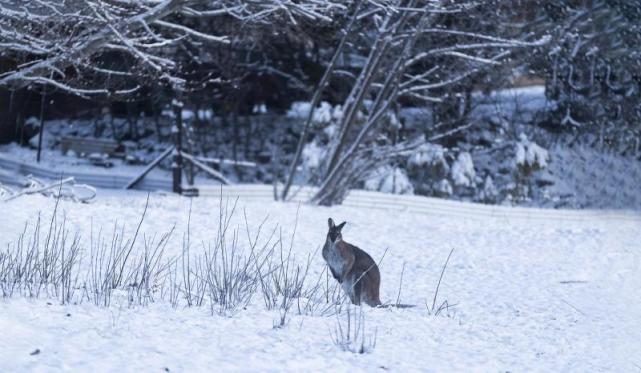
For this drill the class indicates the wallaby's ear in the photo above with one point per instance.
(330, 222)
(341, 225)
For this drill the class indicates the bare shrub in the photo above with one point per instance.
(229, 280)
(114, 265)
(133, 267)
(350, 334)
(50, 264)
(36, 263)
(322, 297)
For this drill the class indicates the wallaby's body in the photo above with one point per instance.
(352, 267)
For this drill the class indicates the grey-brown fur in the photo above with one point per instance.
(352, 267)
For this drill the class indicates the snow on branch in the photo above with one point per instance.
(48, 38)
(79, 91)
(194, 33)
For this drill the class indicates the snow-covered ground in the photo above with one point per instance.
(530, 295)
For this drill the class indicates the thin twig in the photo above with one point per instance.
(441, 278)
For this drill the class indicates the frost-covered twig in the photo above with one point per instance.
(438, 285)
(50, 38)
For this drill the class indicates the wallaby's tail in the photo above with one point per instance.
(397, 305)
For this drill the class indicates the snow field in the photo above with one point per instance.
(529, 295)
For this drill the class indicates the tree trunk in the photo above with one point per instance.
(338, 179)
(315, 100)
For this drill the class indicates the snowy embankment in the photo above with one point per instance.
(551, 294)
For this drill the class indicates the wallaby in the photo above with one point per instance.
(352, 267)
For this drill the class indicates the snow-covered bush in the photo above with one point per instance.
(312, 160)
(33, 125)
(489, 172)
(462, 171)
(337, 112)
(529, 158)
(330, 126)
(530, 155)
(429, 155)
(434, 172)
(389, 179)
(324, 119)
(330, 130)
(298, 109)
(312, 155)
(393, 121)
(442, 188)
(260, 109)
(323, 114)
(428, 168)
(489, 193)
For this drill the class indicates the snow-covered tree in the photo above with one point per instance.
(409, 54)
(593, 69)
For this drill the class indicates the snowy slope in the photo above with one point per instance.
(596, 179)
(531, 295)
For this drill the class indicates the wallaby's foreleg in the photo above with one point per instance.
(335, 275)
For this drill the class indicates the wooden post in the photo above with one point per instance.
(11, 113)
(177, 165)
(42, 121)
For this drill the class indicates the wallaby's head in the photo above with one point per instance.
(334, 233)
